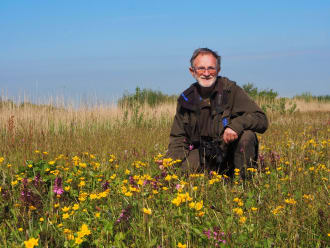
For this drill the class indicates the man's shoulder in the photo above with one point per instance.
(187, 98)
(227, 83)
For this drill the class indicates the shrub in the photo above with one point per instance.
(145, 96)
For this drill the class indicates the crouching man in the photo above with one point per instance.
(215, 122)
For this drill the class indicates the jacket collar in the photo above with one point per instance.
(190, 98)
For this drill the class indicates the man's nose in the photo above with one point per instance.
(206, 72)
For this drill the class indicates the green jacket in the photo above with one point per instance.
(230, 107)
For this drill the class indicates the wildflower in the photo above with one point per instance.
(201, 213)
(181, 245)
(20, 229)
(242, 220)
(67, 188)
(9, 165)
(75, 207)
(13, 183)
(58, 186)
(66, 209)
(66, 216)
(97, 215)
(82, 184)
(290, 201)
(128, 193)
(41, 219)
(277, 210)
(32, 242)
(199, 205)
(93, 196)
(78, 241)
(238, 211)
(30, 165)
(147, 211)
(56, 205)
(105, 185)
(254, 209)
(51, 162)
(124, 215)
(32, 208)
(84, 230)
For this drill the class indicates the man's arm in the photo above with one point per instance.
(178, 140)
(246, 114)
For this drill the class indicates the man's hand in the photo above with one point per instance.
(229, 135)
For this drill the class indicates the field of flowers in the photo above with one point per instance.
(88, 178)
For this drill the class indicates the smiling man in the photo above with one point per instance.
(215, 122)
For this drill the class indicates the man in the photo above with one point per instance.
(215, 122)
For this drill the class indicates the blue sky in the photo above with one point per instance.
(104, 48)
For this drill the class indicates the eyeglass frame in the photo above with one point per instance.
(203, 69)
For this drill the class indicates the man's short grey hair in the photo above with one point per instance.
(205, 50)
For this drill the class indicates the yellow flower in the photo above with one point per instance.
(84, 230)
(201, 213)
(67, 188)
(9, 165)
(78, 241)
(238, 211)
(56, 205)
(75, 207)
(41, 219)
(97, 215)
(254, 209)
(147, 211)
(81, 184)
(32, 207)
(128, 193)
(66, 216)
(93, 196)
(32, 242)
(242, 220)
(30, 165)
(181, 245)
(13, 183)
(51, 162)
(66, 209)
(127, 172)
(164, 188)
(199, 205)
(46, 153)
(290, 201)
(20, 229)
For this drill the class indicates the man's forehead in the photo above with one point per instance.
(205, 56)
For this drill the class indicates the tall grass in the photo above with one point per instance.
(103, 158)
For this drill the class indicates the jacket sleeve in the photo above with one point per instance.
(178, 142)
(246, 114)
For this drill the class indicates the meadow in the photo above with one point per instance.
(87, 177)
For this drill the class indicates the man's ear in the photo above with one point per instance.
(192, 71)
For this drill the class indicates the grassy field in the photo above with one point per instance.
(87, 177)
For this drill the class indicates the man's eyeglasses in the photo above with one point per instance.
(203, 69)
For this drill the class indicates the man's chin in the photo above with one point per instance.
(206, 83)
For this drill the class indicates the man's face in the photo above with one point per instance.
(205, 69)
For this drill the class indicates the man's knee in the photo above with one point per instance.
(247, 138)
(191, 164)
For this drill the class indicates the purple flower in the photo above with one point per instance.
(124, 215)
(58, 186)
(105, 185)
(191, 147)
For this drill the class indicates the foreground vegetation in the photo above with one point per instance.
(88, 178)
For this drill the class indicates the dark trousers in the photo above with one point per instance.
(240, 154)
